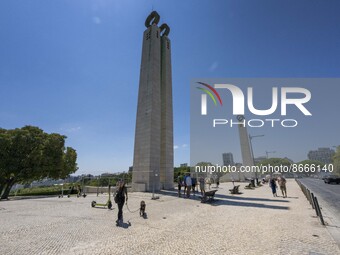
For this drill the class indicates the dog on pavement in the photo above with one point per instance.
(142, 208)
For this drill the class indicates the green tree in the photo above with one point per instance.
(180, 171)
(22, 155)
(5, 174)
(336, 161)
(29, 154)
(53, 156)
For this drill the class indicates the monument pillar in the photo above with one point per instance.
(153, 151)
(247, 158)
(167, 143)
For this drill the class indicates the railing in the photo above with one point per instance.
(312, 200)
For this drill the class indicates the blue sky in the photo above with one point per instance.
(72, 67)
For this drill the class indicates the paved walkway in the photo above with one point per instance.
(251, 223)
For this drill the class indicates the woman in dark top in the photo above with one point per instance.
(272, 184)
(120, 198)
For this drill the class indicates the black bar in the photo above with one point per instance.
(318, 208)
(315, 207)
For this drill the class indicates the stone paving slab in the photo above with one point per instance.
(251, 223)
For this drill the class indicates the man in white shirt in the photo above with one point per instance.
(189, 183)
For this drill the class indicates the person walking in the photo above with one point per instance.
(282, 184)
(121, 197)
(273, 186)
(202, 185)
(194, 183)
(185, 185)
(217, 181)
(179, 181)
(208, 181)
(188, 182)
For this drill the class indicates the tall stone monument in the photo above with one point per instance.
(153, 152)
(247, 157)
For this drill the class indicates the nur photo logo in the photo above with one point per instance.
(281, 99)
(204, 97)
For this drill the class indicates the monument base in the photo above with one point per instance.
(138, 187)
(167, 186)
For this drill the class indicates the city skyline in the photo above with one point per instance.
(73, 67)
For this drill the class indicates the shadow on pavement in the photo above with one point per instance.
(332, 226)
(246, 204)
(174, 193)
(16, 198)
(235, 197)
(218, 202)
(232, 197)
(124, 225)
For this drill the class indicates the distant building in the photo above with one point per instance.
(228, 159)
(46, 182)
(183, 165)
(322, 154)
(108, 174)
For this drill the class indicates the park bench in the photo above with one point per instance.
(208, 196)
(249, 186)
(234, 190)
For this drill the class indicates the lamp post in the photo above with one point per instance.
(267, 152)
(83, 186)
(252, 153)
(97, 186)
(153, 185)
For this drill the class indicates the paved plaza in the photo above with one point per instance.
(251, 223)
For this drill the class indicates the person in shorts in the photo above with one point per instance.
(282, 184)
(188, 182)
(194, 183)
(202, 185)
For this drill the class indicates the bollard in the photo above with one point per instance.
(304, 190)
(319, 211)
(310, 199)
(307, 194)
(314, 206)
